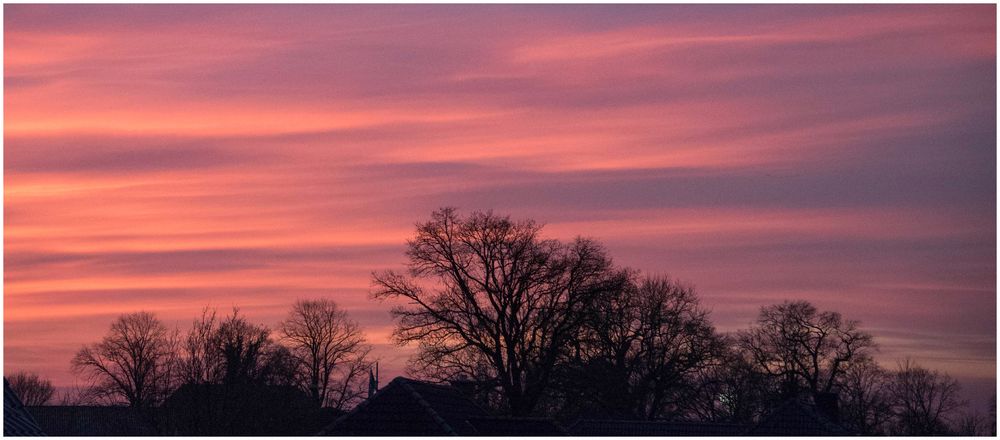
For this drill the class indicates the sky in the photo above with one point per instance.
(171, 157)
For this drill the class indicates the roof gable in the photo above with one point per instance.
(16, 419)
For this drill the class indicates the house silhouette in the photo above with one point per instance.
(407, 407)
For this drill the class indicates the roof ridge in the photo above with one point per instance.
(427, 407)
(445, 386)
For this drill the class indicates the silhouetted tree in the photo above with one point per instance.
(32, 389)
(641, 349)
(923, 401)
(249, 355)
(132, 362)
(734, 389)
(496, 289)
(973, 424)
(329, 350)
(806, 349)
(865, 405)
(201, 360)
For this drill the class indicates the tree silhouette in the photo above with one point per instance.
(973, 424)
(923, 401)
(806, 349)
(492, 286)
(525, 326)
(733, 389)
(330, 352)
(864, 397)
(32, 389)
(641, 349)
(133, 362)
(250, 356)
(200, 360)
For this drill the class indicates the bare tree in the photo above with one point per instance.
(201, 358)
(864, 396)
(132, 362)
(32, 389)
(79, 395)
(641, 349)
(733, 390)
(923, 401)
(973, 424)
(330, 351)
(805, 348)
(244, 349)
(493, 286)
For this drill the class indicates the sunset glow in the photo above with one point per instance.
(169, 157)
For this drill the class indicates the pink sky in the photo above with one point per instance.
(168, 157)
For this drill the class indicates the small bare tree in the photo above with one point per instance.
(132, 363)
(805, 348)
(201, 359)
(32, 389)
(330, 351)
(733, 389)
(973, 424)
(865, 406)
(923, 401)
(81, 395)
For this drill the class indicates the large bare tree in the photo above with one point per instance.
(132, 363)
(494, 287)
(32, 389)
(807, 349)
(329, 350)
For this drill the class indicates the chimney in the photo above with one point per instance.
(827, 404)
(372, 381)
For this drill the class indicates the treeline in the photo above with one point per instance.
(140, 362)
(537, 327)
